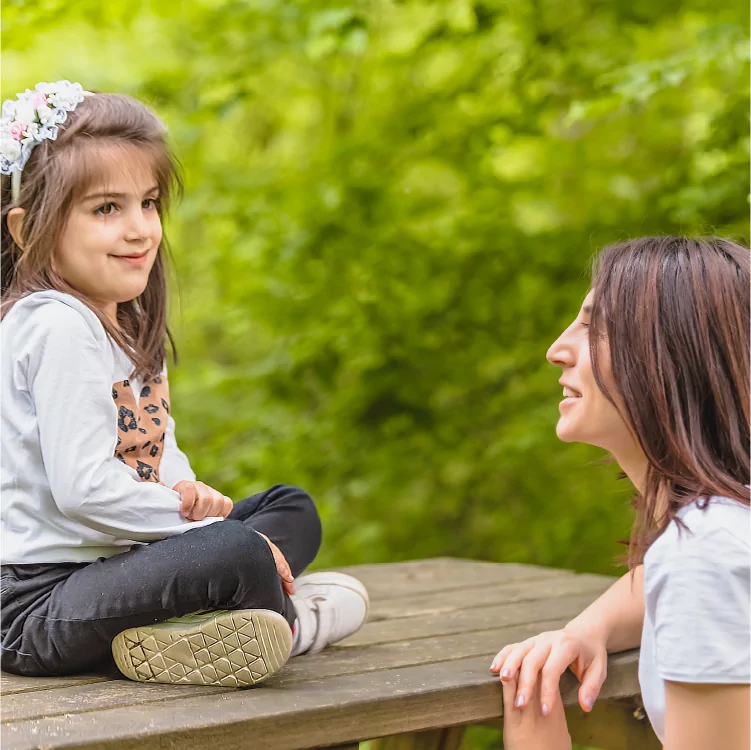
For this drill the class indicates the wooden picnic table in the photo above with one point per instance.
(416, 674)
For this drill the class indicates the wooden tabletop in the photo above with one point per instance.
(420, 662)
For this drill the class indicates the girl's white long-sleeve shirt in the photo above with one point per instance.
(83, 446)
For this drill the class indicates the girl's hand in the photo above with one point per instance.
(201, 501)
(282, 567)
(526, 729)
(547, 656)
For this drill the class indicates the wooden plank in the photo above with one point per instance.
(409, 579)
(478, 596)
(380, 632)
(468, 620)
(332, 663)
(11, 684)
(303, 715)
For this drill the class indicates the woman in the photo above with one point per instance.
(656, 371)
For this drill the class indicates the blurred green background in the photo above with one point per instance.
(389, 217)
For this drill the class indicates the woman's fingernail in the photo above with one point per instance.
(506, 673)
(589, 702)
(545, 710)
(520, 700)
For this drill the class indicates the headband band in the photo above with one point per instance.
(31, 118)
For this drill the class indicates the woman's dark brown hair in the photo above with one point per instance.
(56, 174)
(675, 312)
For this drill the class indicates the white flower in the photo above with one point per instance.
(32, 132)
(66, 95)
(25, 112)
(48, 132)
(44, 113)
(10, 148)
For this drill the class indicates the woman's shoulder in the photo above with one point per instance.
(713, 533)
(717, 516)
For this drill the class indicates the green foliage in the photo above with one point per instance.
(390, 213)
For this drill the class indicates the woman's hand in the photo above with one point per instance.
(200, 501)
(539, 662)
(282, 567)
(526, 729)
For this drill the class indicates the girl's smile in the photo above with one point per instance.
(113, 232)
(134, 260)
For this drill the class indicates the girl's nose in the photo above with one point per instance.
(137, 226)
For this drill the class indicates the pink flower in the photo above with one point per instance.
(17, 130)
(38, 99)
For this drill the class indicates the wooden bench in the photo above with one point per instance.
(415, 675)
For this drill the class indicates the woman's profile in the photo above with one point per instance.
(655, 370)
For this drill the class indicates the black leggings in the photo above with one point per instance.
(60, 618)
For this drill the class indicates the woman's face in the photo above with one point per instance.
(586, 415)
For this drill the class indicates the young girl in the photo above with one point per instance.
(106, 534)
(656, 371)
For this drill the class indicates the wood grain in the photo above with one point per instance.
(303, 715)
(419, 665)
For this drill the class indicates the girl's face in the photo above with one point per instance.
(113, 232)
(586, 415)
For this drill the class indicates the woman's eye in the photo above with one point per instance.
(106, 210)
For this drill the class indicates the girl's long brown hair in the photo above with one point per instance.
(675, 312)
(56, 174)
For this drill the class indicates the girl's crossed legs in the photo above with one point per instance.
(61, 618)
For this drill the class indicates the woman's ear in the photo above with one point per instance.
(15, 225)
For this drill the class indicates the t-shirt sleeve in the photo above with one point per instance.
(698, 590)
(67, 367)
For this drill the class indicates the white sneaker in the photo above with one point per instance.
(234, 648)
(329, 607)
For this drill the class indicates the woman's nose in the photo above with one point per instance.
(560, 352)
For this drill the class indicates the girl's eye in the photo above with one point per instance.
(106, 210)
(151, 203)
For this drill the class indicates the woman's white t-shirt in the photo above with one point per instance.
(697, 591)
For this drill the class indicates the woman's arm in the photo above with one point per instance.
(613, 622)
(617, 617)
(707, 717)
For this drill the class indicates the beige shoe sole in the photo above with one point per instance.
(235, 648)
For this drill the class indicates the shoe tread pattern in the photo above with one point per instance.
(234, 649)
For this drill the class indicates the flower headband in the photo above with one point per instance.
(31, 119)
